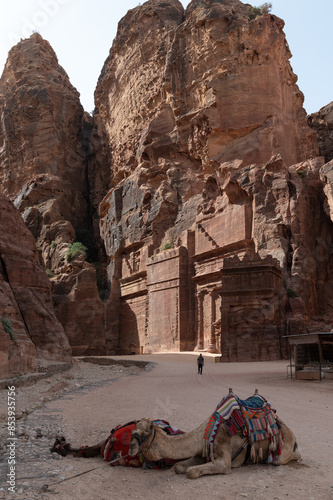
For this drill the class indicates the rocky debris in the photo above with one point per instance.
(25, 300)
(38, 425)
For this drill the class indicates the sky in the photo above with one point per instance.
(81, 33)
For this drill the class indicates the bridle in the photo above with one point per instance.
(143, 440)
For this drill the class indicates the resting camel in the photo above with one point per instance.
(115, 448)
(227, 452)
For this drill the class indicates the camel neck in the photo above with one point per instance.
(177, 447)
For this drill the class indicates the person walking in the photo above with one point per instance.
(200, 362)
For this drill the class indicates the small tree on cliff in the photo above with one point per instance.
(8, 327)
(265, 8)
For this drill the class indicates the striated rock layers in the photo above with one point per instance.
(322, 123)
(25, 301)
(210, 158)
(44, 137)
(200, 186)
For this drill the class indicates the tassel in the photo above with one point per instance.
(272, 447)
(253, 453)
(261, 454)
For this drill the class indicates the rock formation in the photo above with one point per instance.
(322, 123)
(25, 301)
(209, 150)
(44, 135)
(199, 185)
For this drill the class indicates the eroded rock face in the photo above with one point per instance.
(212, 87)
(25, 300)
(79, 307)
(201, 122)
(322, 123)
(44, 137)
(42, 153)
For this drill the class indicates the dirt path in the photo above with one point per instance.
(172, 390)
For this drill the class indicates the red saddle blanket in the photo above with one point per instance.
(116, 447)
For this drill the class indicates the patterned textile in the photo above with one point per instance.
(254, 416)
(228, 411)
(116, 447)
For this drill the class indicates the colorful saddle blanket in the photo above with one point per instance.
(254, 416)
(116, 447)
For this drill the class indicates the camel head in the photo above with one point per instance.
(144, 429)
(60, 446)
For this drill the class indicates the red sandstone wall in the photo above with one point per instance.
(167, 283)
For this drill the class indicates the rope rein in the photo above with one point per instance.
(143, 440)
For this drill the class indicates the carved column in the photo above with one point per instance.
(212, 340)
(200, 334)
(224, 330)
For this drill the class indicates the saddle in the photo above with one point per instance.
(254, 417)
(116, 447)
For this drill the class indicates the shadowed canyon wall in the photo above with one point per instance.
(25, 301)
(44, 136)
(199, 187)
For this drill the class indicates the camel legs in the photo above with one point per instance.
(220, 466)
(289, 448)
(287, 455)
(181, 467)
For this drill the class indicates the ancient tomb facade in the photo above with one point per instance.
(215, 294)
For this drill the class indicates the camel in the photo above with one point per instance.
(227, 452)
(115, 448)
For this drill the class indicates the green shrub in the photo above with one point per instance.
(167, 246)
(53, 244)
(49, 273)
(301, 173)
(86, 237)
(75, 249)
(8, 327)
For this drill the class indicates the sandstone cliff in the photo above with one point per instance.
(322, 123)
(203, 128)
(42, 153)
(199, 185)
(44, 136)
(25, 301)
(210, 87)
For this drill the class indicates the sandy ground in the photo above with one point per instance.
(172, 390)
